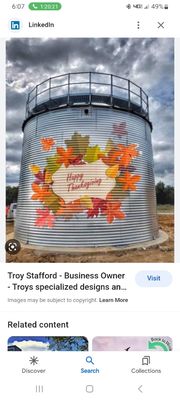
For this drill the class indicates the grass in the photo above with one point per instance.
(165, 208)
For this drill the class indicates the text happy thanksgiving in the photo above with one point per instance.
(76, 181)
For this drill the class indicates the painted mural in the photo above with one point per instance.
(80, 178)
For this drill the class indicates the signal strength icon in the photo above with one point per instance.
(146, 7)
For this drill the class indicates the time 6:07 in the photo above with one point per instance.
(18, 6)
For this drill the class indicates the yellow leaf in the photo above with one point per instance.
(109, 145)
(92, 154)
(86, 201)
(48, 177)
(113, 171)
(34, 169)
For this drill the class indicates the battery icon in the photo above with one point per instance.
(166, 6)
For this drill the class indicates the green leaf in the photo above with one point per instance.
(78, 142)
(92, 154)
(52, 164)
(52, 202)
(117, 193)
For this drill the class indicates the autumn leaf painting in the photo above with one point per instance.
(65, 156)
(119, 169)
(45, 218)
(47, 143)
(129, 181)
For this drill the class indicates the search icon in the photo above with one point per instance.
(89, 360)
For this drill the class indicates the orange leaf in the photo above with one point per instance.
(66, 156)
(69, 209)
(109, 159)
(47, 143)
(39, 192)
(113, 210)
(129, 181)
(124, 155)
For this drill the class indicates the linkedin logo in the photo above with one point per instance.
(15, 25)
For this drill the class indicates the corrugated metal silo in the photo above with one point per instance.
(87, 165)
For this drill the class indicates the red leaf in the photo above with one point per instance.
(99, 205)
(45, 218)
(40, 177)
(77, 160)
(120, 129)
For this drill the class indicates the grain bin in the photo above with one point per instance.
(87, 175)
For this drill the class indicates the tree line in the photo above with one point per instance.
(11, 194)
(164, 194)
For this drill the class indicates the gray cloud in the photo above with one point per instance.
(148, 62)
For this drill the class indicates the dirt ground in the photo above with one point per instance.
(160, 253)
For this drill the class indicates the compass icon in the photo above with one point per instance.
(34, 360)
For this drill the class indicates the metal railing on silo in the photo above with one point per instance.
(86, 88)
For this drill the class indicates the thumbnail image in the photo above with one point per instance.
(130, 343)
(46, 343)
(90, 150)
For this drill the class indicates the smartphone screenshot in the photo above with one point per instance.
(90, 96)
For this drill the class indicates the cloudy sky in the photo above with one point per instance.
(147, 62)
(29, 343)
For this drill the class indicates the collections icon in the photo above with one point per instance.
(146, 360)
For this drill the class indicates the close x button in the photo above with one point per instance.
(161, 25)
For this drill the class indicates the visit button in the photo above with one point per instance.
(153, 278)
